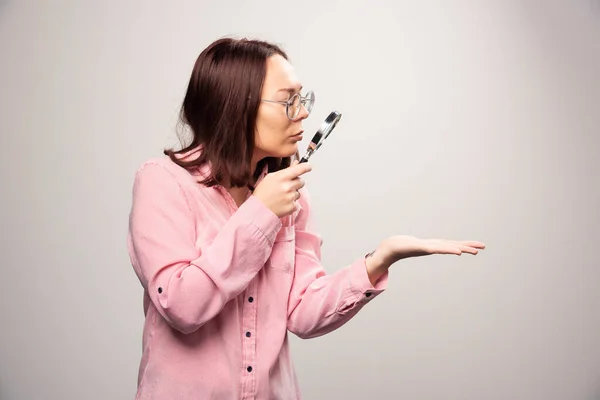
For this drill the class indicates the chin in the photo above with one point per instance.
(285, 151)
(292, 151)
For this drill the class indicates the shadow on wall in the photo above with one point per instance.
(595, 8)
(3, 7)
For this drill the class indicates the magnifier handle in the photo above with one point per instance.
(303, 160)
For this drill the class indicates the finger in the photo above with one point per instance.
(292, 193)
(294, 185)
(468, 249)
(470, 243)
(467, 246)
(452, 250)
(449, 250)
(297, 170)
(298, 184)
(439, 247)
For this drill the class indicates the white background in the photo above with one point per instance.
(461, 119)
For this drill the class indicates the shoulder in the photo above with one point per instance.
(163, 168)
(163, 162)
(159, 176)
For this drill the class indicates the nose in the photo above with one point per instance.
(303, 114)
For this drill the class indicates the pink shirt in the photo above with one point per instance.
(223, 286)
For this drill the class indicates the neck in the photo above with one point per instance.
(253, 165)
(256, 158)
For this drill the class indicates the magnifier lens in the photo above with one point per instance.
(322, 134)
(329, 125)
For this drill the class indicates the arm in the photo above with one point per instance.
(320, 303)
(187, 285)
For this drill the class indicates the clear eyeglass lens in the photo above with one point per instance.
(295, 104)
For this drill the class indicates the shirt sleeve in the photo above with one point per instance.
(320, 303)
(189, 285)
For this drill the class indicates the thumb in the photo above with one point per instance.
(295, 162)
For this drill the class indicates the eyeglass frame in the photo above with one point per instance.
(303, 100)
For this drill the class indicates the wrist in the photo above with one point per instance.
(377, 264)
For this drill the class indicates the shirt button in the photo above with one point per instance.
(250, 299)
(368, 294)
(248, 334)
(159, 290)
(249, 369)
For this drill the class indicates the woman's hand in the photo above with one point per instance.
(279, 190)
(396, 248)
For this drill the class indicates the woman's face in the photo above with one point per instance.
(277, 135)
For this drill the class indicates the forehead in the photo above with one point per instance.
(280, 74)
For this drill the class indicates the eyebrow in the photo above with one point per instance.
(290, 90)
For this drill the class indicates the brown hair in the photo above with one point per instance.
(220, 109)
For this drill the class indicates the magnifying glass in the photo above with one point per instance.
(325, 130)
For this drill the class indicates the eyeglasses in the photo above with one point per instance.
(295, 103)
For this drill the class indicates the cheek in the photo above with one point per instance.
(271, 129)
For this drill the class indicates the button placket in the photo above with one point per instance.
(249, 321)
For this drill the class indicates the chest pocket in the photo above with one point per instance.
(283, 255)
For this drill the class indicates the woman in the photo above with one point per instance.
(220, 238)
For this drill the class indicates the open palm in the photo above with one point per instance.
(403, 246)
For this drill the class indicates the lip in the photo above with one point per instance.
(298, 136)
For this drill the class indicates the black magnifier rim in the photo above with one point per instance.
(326, 128)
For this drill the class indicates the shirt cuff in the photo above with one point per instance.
(267, 222)
(360, 282)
